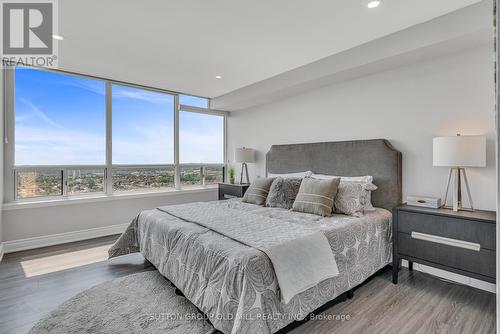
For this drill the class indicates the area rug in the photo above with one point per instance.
(139, 303)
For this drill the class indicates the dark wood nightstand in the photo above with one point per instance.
(231, 190)
(461, 242)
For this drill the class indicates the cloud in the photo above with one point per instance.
(119, 91)
(35, 112)
(150, 143)
(198, 147)
(122, 92)
(145, 143)
(44, 146)
(93, 86)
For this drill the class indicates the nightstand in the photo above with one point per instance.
(461, 242)
(232, 190)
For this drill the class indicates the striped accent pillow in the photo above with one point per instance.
(316, 196)
(258, 191)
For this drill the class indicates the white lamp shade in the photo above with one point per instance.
(244, 154)
(459, 151)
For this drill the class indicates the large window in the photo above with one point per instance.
(75, 136)
(201, 148)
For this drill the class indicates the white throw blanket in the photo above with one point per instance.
(301, 257)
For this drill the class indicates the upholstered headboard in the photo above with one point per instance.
(374, 157)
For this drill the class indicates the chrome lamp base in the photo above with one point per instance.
(455, 177)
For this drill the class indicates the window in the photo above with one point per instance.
(38, 183)
(60, 119)
(201, 138)
(76, 136)
(143, 178)
(143, 126)
(84, 181)
(193, 101)
(201, 148)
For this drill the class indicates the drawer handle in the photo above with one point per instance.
(229, 196)
(446, 241)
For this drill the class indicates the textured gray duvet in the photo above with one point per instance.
(235, 284)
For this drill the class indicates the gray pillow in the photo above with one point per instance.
(283, 192)
(354, 198)
(258, 190)
(316, 196)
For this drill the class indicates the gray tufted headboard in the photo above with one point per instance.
(374, 157)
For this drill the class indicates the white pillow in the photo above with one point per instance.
(298, 174)
(364, 198)
(367, 179)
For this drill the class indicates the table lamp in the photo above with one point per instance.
(244, 155)
(457, 153)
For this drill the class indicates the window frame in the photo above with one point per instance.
(11, 170)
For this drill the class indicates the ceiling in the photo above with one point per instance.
(182, 45)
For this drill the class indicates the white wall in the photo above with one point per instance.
(1, 160)
(497, 57)
(408, 106)
(23, 223)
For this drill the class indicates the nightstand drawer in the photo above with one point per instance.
(480, 262)
(231, 191)
(449, 227)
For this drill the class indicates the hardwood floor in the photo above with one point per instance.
(24, 300)
(34, 282)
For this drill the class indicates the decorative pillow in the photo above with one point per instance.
(298, 174)
(283, 192)
(354, 198)
(258, 191)
(316, 196)
(360, 179)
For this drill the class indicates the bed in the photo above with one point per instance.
(235, 284)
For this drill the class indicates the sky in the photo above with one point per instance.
(60, 120)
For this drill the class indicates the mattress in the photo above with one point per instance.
(235, 284)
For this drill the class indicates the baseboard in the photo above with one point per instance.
(475, 283)
(61, 238)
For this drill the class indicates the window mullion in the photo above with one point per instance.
(177, 169)
(9, 150)
(64, 179)
(109, 139)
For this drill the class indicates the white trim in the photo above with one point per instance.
(447, 275)
(446, 241)
(103, 197)
(61, 238)
(177, 168)
(1, 251)
(198, 110)
(108, 179)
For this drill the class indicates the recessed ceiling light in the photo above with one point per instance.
(59, 38)
(374, 3)
(218, 77)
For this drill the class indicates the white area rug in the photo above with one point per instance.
(139, 303)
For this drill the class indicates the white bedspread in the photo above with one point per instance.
(301, 255)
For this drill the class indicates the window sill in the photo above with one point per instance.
(40, 203)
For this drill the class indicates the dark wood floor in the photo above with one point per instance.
(34, 282)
